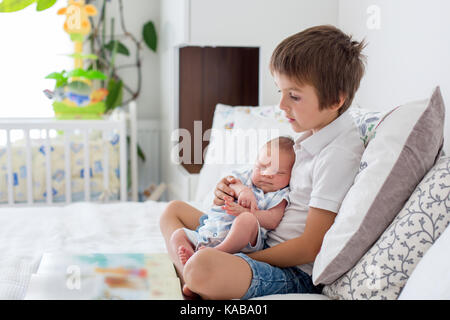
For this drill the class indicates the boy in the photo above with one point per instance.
(317, 72)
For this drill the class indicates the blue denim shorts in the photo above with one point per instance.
(268, 279)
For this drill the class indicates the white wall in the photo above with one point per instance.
(136, 14)
(174, 30)
(407, 56)
(256, 23)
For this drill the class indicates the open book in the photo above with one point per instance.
(105, 276)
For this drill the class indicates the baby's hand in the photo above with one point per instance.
(248, 200)
(233, 208)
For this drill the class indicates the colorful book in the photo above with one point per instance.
(149, 276)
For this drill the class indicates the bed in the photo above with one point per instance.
(26, 232)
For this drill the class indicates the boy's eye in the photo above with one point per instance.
(294, 98)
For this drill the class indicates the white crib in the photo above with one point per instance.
(122, 123)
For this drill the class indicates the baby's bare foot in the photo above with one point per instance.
(184, 254)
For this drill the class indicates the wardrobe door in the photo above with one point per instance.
(208, 76)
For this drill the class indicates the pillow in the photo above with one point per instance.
(431, 277)
(237, 134)
(405, 147)
(385, 269)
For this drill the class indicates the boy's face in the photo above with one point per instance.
(301, 105)
(272, 170)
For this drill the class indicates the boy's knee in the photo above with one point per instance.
(170, 211)
(173, 206)
(198, 270)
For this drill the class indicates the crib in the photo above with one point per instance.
(36, 149)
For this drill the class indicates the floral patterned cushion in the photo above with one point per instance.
(367, 123)
(383, 271)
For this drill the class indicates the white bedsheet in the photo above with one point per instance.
(26, 233)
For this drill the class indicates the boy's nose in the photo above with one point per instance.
(283, 105)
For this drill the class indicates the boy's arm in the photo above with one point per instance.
(303, 249)
(270, 219)
(237, 187)
(223, 191)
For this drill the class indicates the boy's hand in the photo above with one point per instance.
(247, 199)
(233, 208)
(223, 191)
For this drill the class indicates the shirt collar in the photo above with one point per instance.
(314, 143)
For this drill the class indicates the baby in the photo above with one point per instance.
(262, 195)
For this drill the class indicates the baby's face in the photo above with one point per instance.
(272, 170)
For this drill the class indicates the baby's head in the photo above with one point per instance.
(272, 170)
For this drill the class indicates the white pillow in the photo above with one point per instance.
(431, 278)
(236, 136)
(404, 148)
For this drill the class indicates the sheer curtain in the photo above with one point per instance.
(32, 45)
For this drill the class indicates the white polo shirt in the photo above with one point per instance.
(325, 167)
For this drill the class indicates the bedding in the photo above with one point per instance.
(57, 147)
(28, 232)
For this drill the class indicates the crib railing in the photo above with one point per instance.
(68, 127)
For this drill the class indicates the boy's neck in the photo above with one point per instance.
(327, 122)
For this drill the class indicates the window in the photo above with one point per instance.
(33, 45)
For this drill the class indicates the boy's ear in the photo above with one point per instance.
(337, 106)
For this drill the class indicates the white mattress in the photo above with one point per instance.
(28, 232)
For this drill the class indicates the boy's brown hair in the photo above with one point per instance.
(325, 58)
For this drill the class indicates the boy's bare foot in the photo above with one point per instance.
(184, 254)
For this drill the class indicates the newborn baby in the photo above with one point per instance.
(262, 195)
